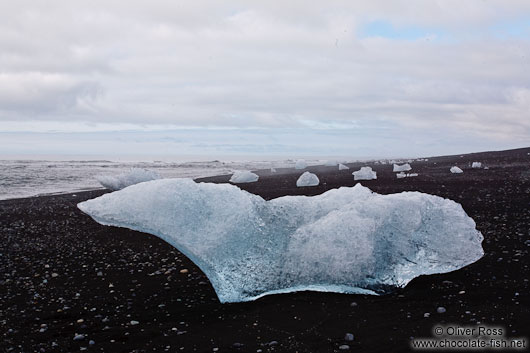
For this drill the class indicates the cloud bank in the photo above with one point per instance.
(374, 69)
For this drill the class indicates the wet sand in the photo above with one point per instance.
(65, 275)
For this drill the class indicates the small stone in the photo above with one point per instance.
(184, 271)
(344, 347)
(99, 274)
(80, 321)
(134, 322)
(462, 292)
(91, 342)
(237, 345)
(349, 337)
(79, 337)
(426, 315)
(353, 304)
(55, 275)
(440, 310)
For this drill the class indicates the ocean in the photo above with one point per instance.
(25, 178)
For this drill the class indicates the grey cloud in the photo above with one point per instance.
(267, 64)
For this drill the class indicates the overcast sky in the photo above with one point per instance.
(370, 78)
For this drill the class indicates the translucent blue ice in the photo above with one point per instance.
(244, 176)
(307, 179)
(131, 177)
(347, 240)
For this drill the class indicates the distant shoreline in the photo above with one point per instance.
(287, 170)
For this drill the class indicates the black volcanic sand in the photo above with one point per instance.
(63, 274)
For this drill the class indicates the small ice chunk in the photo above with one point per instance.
(343, 167)
(365, 173)
(402, 168)
(273, 170)
(476, 165)
(133, 176)
(307, 179)
(330, 163)
(244, 176)
(456, 170)
(300, 164)
(406, 175)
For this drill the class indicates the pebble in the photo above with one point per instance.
(134, 322)
(184, 270)
(349, 337)
(426, 315)
(440, 310)
(344, 347)
(79, 337)
(91, 342)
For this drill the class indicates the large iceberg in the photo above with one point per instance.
(365, 173)
(347, 240)
(307, 179)
(243, 176)
(133, 176)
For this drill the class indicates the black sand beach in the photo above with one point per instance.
(70, 284)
